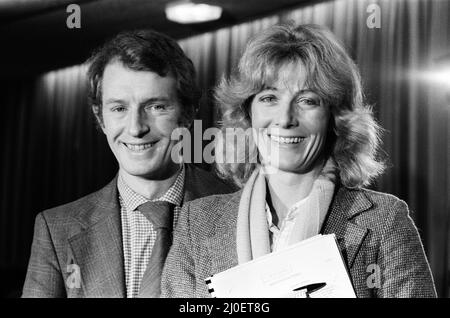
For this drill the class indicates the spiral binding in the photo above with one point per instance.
(210, 288)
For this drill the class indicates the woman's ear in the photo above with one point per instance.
(331, 135)
(332, 124)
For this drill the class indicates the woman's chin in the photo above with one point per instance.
(287, 167)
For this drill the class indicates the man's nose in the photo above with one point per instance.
(287, 115)
(138, 123)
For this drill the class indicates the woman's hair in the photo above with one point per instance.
(354, 136)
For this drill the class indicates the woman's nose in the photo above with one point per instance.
(138, 124)
(287, 116)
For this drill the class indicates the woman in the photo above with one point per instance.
(316, 145)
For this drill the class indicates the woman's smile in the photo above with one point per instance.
(292, 121)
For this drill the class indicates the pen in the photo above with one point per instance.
(311, 288)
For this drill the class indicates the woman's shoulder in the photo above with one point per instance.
(213, 206)
(379, 199)
(372, 208)
(215, 200)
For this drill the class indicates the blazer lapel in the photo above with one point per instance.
(97, 250)
(350, 236)
(221, 243)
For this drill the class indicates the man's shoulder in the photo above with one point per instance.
(68, 212)
(205, 183)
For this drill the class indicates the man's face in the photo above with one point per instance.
(140, 111)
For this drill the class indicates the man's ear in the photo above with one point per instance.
(184, 121)
(187, 123)
(98, 116)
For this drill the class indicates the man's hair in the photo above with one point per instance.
(145, 50)
(353, 133)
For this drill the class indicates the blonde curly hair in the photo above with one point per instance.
(354, 135)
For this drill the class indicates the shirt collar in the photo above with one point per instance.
(322, 191)
(132, 199)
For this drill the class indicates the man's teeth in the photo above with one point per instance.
(139, 147)
(286, 140)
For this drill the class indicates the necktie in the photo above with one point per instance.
(160, 213)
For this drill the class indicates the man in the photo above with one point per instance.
(113, 243)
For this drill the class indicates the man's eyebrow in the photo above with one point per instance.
(114, 101)
(144, 102)
(155, 99)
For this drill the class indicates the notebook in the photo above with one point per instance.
(312, 268)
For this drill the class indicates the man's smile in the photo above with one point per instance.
(139, 147)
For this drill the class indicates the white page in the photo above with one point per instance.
(316, 260)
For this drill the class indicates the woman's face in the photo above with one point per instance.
(291, 122)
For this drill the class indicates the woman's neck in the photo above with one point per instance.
(287, 188)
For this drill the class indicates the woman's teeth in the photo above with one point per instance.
(286, 140)
(140, 147)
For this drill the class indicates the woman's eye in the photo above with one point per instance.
(308, 101)
(267, 99)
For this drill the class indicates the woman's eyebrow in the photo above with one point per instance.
(269, 88)
(306, 90)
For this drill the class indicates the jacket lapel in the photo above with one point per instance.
(345, 206)
(221, 243)
(97, 249)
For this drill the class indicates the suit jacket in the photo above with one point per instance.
(84, 238)
(374, 232)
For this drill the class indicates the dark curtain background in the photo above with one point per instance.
(53, 154)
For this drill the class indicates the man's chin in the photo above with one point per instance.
(151, 173)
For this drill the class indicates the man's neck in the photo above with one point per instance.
(150, 189)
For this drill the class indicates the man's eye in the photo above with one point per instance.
(118, 108)
(157, 107)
